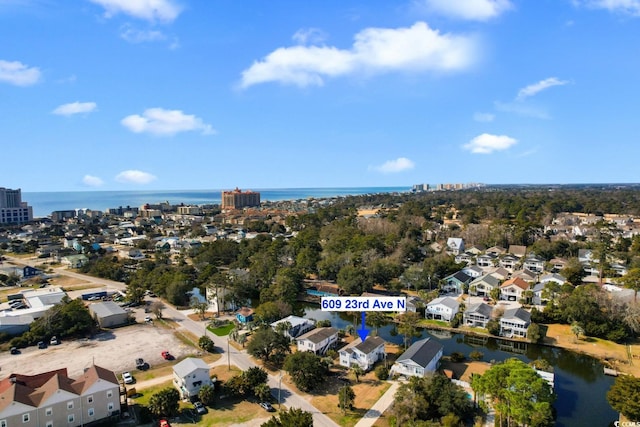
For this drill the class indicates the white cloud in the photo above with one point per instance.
(375, 50)
(135, 177)
(393, 166)
(150, 10)
(134, 35)
(92, 181)
(631, 7)
(487, 143)
(75, 108)
(533, 89)
(309, 35)
(159, 121)
(19, 74)
(483, 117)
(473, 10)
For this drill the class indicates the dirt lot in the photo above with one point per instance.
(116, 350)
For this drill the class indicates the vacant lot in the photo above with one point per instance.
(115, 350)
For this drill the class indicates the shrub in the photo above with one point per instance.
(476, 355)
(456, 356)
(382, 372)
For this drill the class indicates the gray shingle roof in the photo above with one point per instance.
(318, 335)
(518, 313)
(422, 352)
(481, 308)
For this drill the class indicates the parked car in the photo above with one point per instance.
(14, 350)
(54, 340)
(267, 406)
(166, 355)
(148, 319)
(42, 345)
(127, 378)
(164, 423)
(141, 364)
(200, 408)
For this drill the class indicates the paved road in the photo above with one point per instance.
(236, 357)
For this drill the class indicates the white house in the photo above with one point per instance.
(297, 326)
(318, 340)
(190, 375)
(422, 358)
(534, 264)
(455, 245)
(513, 289)
(477, 315)
(514, 323)
(483, 285)
(443, 308)
(364, 353)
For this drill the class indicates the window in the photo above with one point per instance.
(89, 399)
(3, 423)
(49, 424)
(109, 393)
(71, 418)
(25, 418)
(110, 406)
(48, 412)
(90, 412)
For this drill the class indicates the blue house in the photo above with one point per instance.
(244, 315)
(28, 272)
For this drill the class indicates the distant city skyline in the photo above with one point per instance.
(177, 94)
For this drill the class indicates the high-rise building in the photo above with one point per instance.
(12, 209)
(238, 199)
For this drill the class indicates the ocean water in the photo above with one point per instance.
(46, 202)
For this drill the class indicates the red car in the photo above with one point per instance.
(164, 423)
(166, 355)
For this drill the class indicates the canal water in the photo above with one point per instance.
(580, 384)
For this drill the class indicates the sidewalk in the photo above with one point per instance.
(379, 407)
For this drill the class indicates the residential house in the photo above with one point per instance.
(534, 263)
(486, 260)
(54, 399)
(414, 303)
(526, 275)
(477, 315)
(363, 353)
(455, 245)
(483, 285)
(496, 251)
(539, 295)
(189, 375)
(465, 257)
(585, 256)
(74, 261)
(421, 359)
(513, 289)
(514, 323)
(500, 273)
(244, 315)
(131, 253)
(517, 250)
(475, 250)
(456, 282)
(443, 308)
(553, 277)
(297, 326)
(620, 269)
(508, 261)
(473, 271)
(318, 340)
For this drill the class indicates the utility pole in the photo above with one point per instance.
(279, 391)
(228, 353)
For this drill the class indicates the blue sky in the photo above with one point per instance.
(186, 94)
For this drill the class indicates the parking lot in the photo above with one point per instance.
(115, 349)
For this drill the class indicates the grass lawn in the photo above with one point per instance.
(222, 330)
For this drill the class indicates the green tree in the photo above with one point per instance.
(517, 393)
(207, 395)
(156, 308)
(306, 369)
(408, 326)
(346, 398)
(493, 327)
(294, 417)
(574, 272)
(377, 319)
(624, 396)
(577, 329)
(534, 332)
(206, 343)
(266, 343)
(199, 307)
(262, 391)
(631, 280)
(357, 371)
(165, 402)
(495, 294)
(270, 311)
